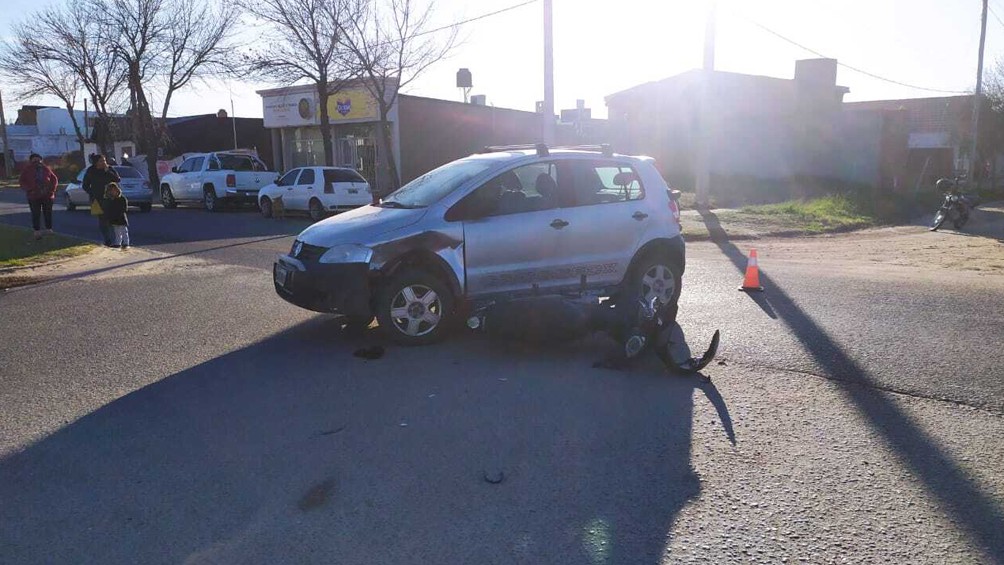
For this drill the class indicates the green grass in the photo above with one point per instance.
(817, 215)
(19, 248)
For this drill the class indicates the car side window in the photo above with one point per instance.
(307, 177)
(529, 188)
(186, 166)
(196, 164)
(288, 179)
(591, 182)
(214, 164)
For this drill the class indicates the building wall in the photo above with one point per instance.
(434, 132)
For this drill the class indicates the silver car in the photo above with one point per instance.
(135, 188)
(506, 223)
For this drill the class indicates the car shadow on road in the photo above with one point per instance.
(977, 514)
(293, 450)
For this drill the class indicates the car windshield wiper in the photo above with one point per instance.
(396, 204)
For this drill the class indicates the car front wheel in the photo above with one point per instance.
(415, 308)
(167, 198)
(70, 206)
(265, 207)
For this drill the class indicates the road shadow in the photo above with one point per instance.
(975, 512)
(293, 450)
(160, 226)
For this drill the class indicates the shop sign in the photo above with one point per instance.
(286, 110)
(352, 104)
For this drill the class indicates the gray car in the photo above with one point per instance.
(135, 188)
(506, 223)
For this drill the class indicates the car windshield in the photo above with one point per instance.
(128, 173)
(434, 185)
(231, 162)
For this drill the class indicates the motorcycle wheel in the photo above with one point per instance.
(939, 219)
(961, 221)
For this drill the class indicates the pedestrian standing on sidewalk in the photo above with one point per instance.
(39, 184)
(96, 179)
(114, 206)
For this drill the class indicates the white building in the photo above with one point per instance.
(54, 135)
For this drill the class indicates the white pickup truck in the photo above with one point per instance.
(214, 179)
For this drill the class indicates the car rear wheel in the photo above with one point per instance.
(415, 308)
(316, 210)
(167, 198)
(265, 207)
(209, 200)
(70, 206)
(656, 276)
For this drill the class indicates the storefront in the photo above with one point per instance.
(293, 116)
(424, 132)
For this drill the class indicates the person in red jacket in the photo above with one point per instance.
(39, 184)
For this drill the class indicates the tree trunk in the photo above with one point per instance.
(147, 136)
(394, 182)
(322, 97)
(80, 134)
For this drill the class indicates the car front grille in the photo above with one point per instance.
(308, 252)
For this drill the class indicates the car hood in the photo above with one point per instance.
(363, 226)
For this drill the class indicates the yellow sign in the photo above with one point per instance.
(352, 104)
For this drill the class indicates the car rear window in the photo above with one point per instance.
(128, 173)
(232, 162)
(342, 175)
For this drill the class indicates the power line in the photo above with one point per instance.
(853, 68)
(996, 17)
(476, 18)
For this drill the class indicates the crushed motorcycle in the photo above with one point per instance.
(636, 325)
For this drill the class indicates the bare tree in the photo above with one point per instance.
(74, 37)
(304, 42)
(23, 63)
(991, 133)
(164, 43)
(394, 44)
(199, 41)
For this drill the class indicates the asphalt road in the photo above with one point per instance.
(177, 411)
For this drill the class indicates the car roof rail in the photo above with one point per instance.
(541, 148)
(605, 148)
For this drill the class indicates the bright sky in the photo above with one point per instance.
(602, 47)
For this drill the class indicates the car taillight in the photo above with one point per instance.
(231, 181)
(674, 208)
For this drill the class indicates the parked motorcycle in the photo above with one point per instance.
(955, 206)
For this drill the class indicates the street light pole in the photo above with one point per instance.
(702, 169)
(548, 111)
(979, 92)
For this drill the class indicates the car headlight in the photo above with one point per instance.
(349, 253)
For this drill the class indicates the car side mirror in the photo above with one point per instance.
(174, 169)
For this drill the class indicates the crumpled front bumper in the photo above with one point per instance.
(329, 288)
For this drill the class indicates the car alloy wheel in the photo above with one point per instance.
(316, 210)
(416, 310)
(658, 282)
(167, 198)
(209, 200)
(265, 207)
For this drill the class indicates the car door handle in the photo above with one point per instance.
(639, 216)
(558, 224)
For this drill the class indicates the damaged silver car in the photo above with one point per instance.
(508, 223)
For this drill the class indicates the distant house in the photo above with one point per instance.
(762, 130)
(215, 132)
(49, 131)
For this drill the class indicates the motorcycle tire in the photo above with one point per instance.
(961, 221)
(939, 219)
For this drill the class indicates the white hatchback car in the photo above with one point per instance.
(316, 190)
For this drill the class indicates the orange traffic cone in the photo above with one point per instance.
(752, 280)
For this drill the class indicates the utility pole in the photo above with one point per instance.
(702, 172)
(973, 160)
(233, 120)
(8, 167)
(548, 113)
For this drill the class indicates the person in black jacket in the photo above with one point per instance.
(96, 179)
(114, 206)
